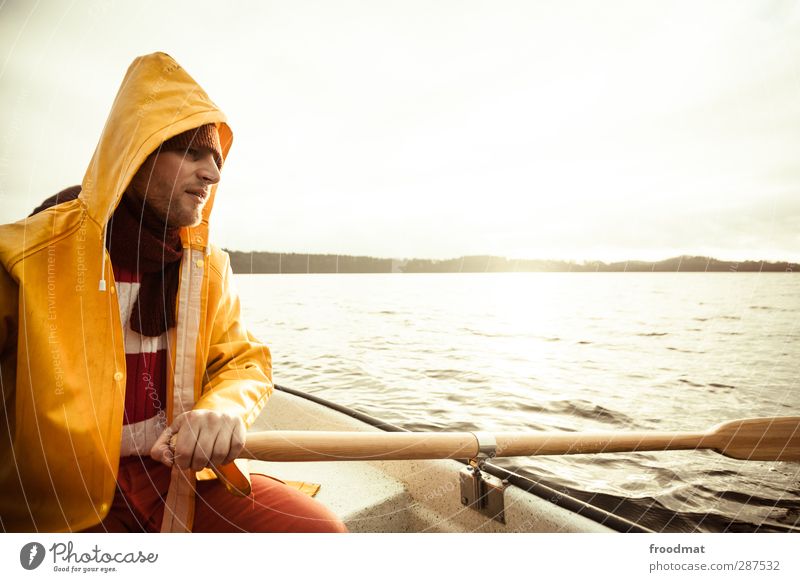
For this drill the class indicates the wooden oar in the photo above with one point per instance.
(755, 439)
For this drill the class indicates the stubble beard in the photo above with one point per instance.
(185, 217)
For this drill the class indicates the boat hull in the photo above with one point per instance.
(401, 496)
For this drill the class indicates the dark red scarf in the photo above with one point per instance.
(139, 241)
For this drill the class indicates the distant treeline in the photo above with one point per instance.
(262, 262)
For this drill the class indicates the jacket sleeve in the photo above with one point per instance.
(238, 376)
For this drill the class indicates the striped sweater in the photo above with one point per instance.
(146, 363)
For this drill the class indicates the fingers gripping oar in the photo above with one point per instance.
(755, 439)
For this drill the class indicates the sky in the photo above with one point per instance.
(576, 130)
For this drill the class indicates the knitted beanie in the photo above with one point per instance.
(205, 136)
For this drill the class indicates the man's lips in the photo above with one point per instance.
(201, 194)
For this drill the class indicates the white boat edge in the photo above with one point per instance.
(410, 496)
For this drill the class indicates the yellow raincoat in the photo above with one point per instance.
(62, 358)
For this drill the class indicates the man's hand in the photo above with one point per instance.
(203, 437)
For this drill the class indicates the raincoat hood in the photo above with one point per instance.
(157, 100)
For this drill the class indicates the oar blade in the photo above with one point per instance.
(759, 439)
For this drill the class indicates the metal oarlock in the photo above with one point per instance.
(480, 490)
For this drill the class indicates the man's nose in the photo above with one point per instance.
(209, 171)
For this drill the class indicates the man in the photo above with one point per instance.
(120, 338)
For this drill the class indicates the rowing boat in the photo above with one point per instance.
(440, 495)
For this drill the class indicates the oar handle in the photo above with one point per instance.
(370, 446)
(358, 446)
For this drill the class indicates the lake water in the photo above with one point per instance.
(561, 351)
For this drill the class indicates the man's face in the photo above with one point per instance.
(177, 184)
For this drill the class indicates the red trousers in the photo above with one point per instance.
(272, 506)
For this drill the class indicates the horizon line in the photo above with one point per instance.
(551, 260)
